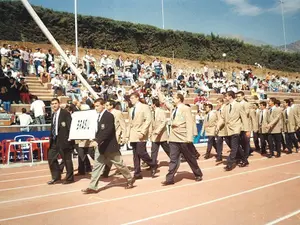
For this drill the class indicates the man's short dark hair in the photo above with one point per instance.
(263, 104)
(240, 93)
(24, 110)
(288, 102)
(112, 103)
(100, 100)
(273, 100)
(155, 102)
(55, 99)
(180, 96)
(210, 106)
(231, 94)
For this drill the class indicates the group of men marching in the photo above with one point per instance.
(235, 119)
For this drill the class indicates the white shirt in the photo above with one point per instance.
(56, 121)
(25, 119)
(37, 108)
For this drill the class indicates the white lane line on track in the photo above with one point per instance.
(200, 161)
(29, 171)
(145, 193)
(145, 179)
(283, 218)
(212, 201)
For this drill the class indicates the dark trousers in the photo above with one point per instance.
(274, 141)
(263, 142)
(84, 164)
(298, 135)
(211, 143)
(256, 141)
(66, 155)
(291, 140)
(175, 150)
(245, 143)
(140, 153)
(155, 148)
(219, 143)
(233, 142)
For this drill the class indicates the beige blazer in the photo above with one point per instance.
(296, 108)
(140, 124)
(210, 123)
(235, 121)
(247, 108)
(119, 125)
(275, 120)
(182, 125)
(195, 131)
(222, 130)
(159, 126)
(253, 120)
(262, 121)
(289, 121)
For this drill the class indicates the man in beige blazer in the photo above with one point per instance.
(254, 112)
(181, 134)
(245, 140)
(234, 118)
(222, 131)
(274, 127)
(138, 133)
(262, 118)
(290, 126)
(159, 134)
(296, 108)
(209, 126)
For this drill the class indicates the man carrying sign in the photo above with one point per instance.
(107, 150)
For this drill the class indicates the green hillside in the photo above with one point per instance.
(96, 32)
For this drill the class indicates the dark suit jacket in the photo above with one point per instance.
(64, 124)
(106, 134)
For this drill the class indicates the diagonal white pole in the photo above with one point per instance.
(163, 14)
(47, 33)
(76, 31)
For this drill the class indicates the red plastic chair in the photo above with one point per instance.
(2, 152)
(46, 147)
(13, 149)
(35, 147)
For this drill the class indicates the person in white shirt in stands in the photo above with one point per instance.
(24, 120)
(38, 108)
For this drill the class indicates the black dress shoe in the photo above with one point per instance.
(68, 182)
(219, 160)
(166, 183)
(228, 168)
(244, 164)
(104, 176)
(51, 182)
(138, 177)
(89, 191)
(198, 179)
(130, 184)
(153, 171)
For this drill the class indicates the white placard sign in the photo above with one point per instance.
(84, 125)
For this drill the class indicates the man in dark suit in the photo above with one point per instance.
(60, 144)
(107, 150)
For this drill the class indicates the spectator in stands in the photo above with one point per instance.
(38, 109)
(16, 54)
(4, 98)
(24, 91)
(13, 91)
(24, 120)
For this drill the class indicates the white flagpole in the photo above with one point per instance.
(283, 24)
(163, 14)
(76, 31)
(47, 33)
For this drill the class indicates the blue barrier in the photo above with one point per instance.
(12, 135)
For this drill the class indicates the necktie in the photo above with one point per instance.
(270, 111)
(133, 113)
(286, 115)
(261, 117)
(207, 117)
(230, 108)
(174, 114)
(54, 126)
